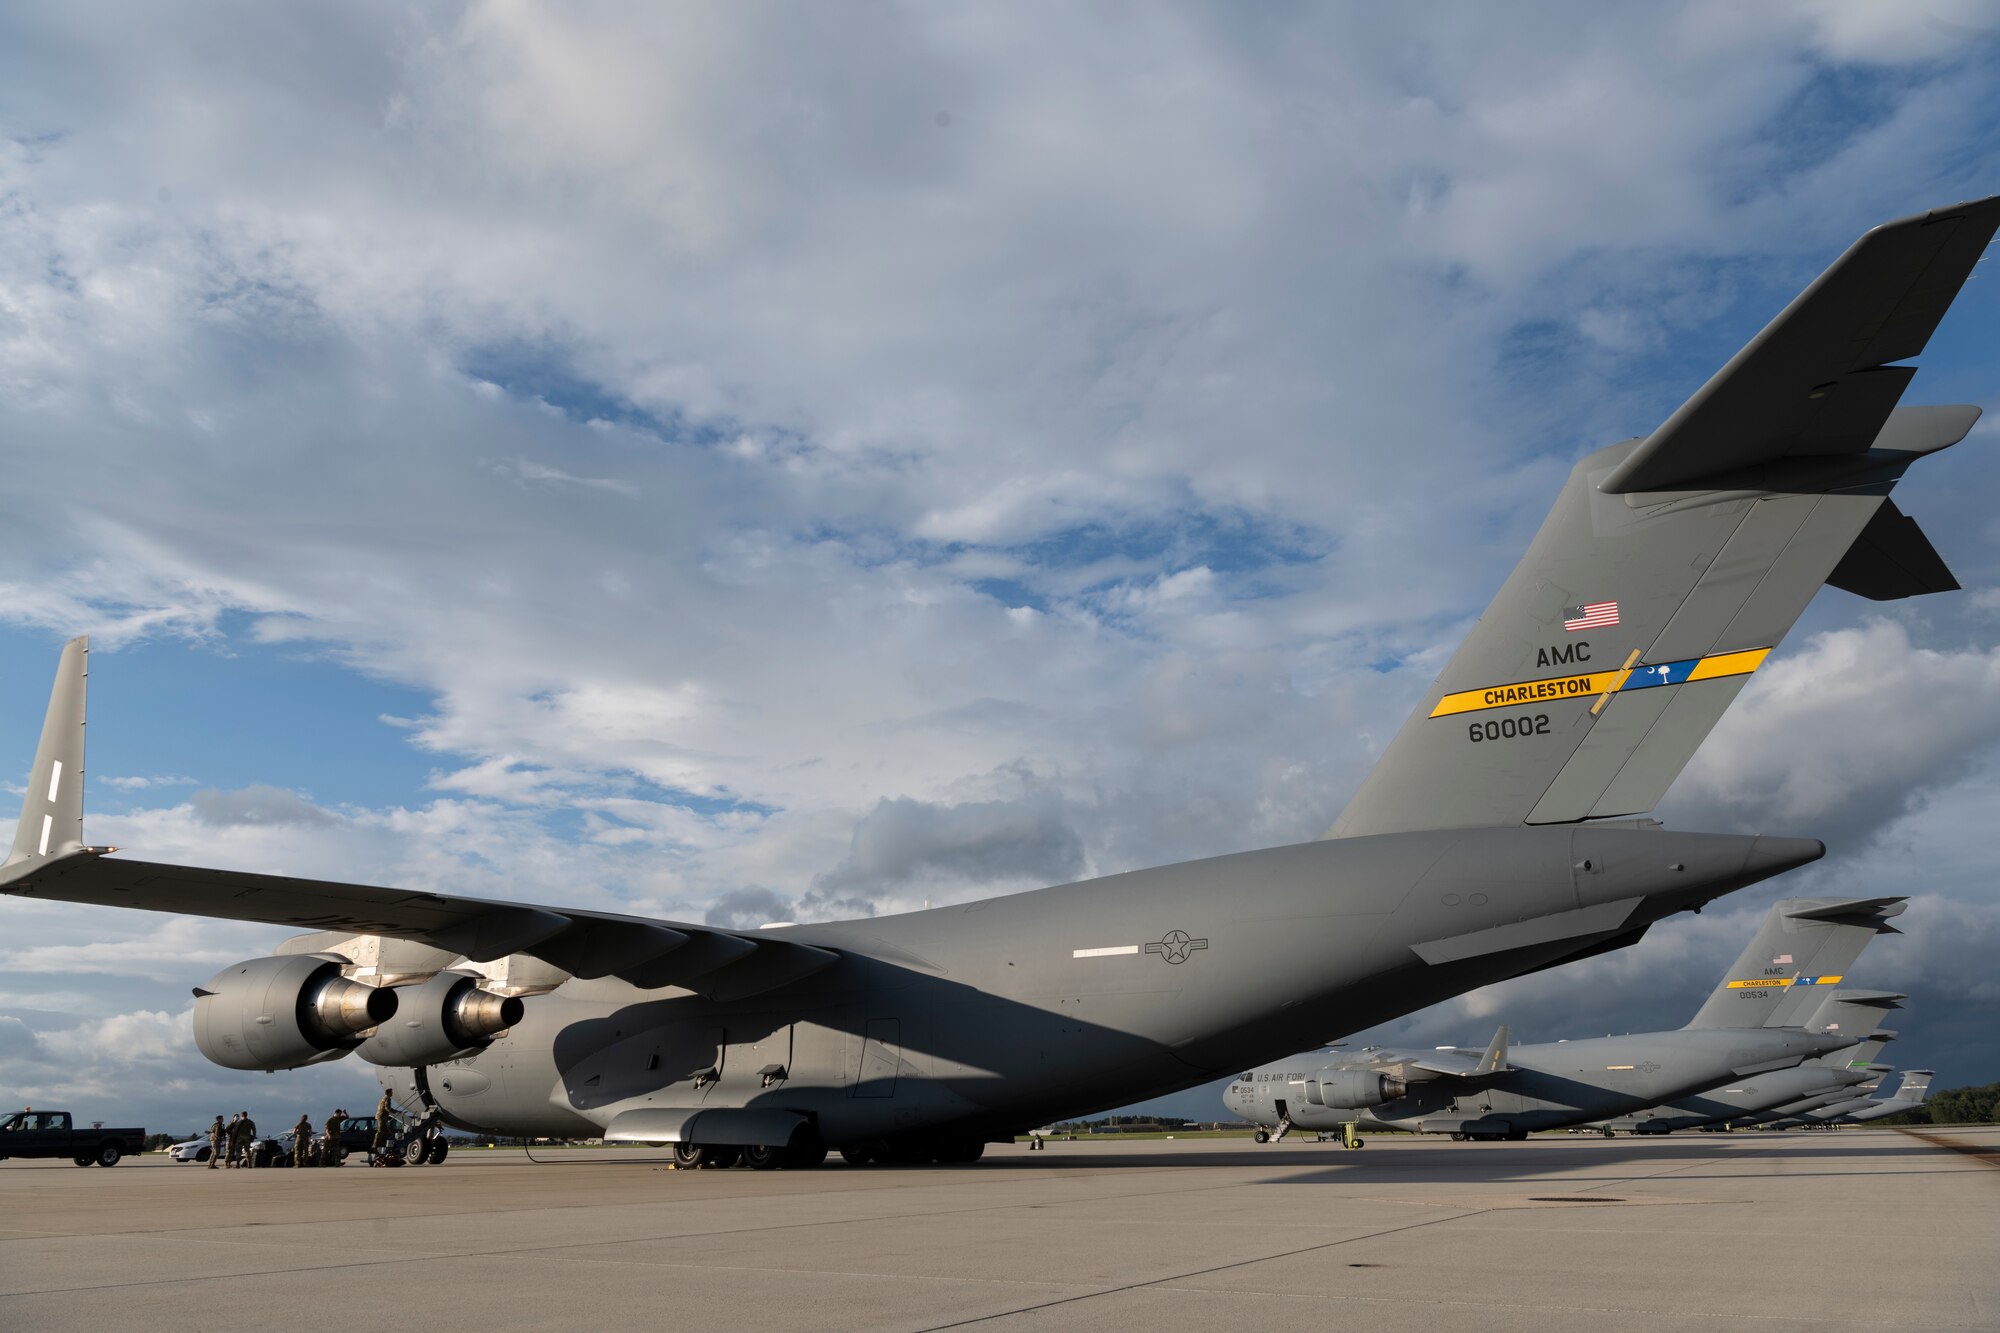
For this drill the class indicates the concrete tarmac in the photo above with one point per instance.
(1772, 1232)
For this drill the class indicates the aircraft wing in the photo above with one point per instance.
(1817, 380)
(1455, 1062)
(725, 963)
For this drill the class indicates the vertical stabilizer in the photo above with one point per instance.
(52, 812)
(1495, 1059)
(1803, 944)
(1853, 1013)
(1670, 567)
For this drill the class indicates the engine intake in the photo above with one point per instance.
(1354, 1089)
(445, 1018)
(281, 1013)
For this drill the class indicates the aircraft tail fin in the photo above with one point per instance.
(1672, 566)
(1916, 1086)
(52, 811)
(1853, 1013)
(1495, 1059)
(1801, 945)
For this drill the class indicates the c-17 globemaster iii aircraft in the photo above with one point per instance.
(1742, 1101)
(1775, 1007)
(1493, 838)
(1912, 1092)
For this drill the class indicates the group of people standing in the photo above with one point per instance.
(235, 1144)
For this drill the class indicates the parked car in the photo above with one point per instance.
(192, 1151)
(53, 1134)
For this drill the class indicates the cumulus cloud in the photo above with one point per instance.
(988, 843)
(257, 805)
(745, 909)
(1805, 746)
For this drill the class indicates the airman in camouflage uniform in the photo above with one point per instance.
(329, 1148)
(302, 1141)
(384, 1109)
(246, 1134)
(218, 1135)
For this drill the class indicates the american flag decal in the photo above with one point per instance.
(1782, 958)
(1591, 615)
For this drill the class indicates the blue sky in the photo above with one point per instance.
(520, 452)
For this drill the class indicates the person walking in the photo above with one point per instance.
(218, 1138)
(384, 1110)
(302, 1141)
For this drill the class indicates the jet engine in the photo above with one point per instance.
(443, 1019)
(281, 1013)
(1353, 1089)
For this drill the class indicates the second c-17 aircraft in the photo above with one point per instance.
(1495, 836)
(1913, 1091)
(1775, 1007)
(1839, 1075)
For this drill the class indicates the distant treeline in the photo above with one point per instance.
(1954, 1106)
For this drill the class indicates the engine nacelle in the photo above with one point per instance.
(281, 1013)
(1354, 1089)
(445, 1018)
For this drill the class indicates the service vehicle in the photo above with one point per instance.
(55, 1134)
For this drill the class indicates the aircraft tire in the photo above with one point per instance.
(1262, 1136)
(435, 1157)
(963, 1153)
(1359, 1143)
(416, 1152)
(721, 1158)
(687, 1155)
(760, 1157)
(857, 1157)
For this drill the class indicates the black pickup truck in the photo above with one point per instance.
(50, 1134)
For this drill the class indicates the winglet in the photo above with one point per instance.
(52, 812)
(1495, 1059)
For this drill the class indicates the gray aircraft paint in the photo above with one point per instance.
(1461, 861)
(1554, 1085)
(1740, 1101)
(1911, 1092)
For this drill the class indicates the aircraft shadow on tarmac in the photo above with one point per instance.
(1530, 1163)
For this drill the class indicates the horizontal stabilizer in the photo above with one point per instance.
(1873, 913)
(1891, 559)
(1816, 381)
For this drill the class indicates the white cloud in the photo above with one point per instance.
(1806, 744)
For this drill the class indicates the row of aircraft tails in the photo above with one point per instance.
(1502, 831)
(1783, 1039)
